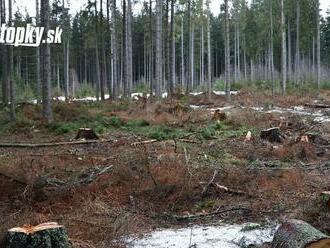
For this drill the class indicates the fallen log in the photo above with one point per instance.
(28, 145)
(299, 234)
(272, 135)
(317, 105)
(46, 235)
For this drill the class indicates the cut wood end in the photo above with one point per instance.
(33, 229)
(323, 243)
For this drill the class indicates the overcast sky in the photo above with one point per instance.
(76, 5)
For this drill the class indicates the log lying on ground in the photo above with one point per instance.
(272, 135)
(299, 234)
(46, 235)
(87, 134)
(317, 105)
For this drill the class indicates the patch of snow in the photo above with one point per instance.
(227, 236)
(196, 93)
(223, 93)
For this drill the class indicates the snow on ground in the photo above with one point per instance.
(219, 93)
(317, 115)
(226, 236)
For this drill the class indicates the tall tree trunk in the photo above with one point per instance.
(46, 93)
(289, 53)
(272, 49)
(103, 75)
(209, 73)
(318, 44)
(151, 50)
(182, 58)
(114, 55)
(159, 48)
(202, 56)
(3, 57)
(297, 60)
(11, 69)
(284, 67)
(129, 49)
(227, 53)
(38, 81)
(172, 80)
(124, 51)
(190, 66)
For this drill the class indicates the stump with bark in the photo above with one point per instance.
(47, 235)
(272, 135)
(87, 134)
(299, 234)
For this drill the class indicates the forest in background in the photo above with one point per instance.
(171, 46)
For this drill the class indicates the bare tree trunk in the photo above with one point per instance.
(318, 44)
(202, 56)
(159, 48)
(38, 81)
(4, 63)
(209, 73)
(124, 51)
(129, 49)
(151, 50)
(289, 53)
(11, 69)
(114, 55)
(182, 58)
(272, 49)
(189, 78)
(284, 67)
(297, 60)
(173, 73)
(227, 53)
(103, 66)
(47, 95)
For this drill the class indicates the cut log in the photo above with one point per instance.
(323, 106)
(87, 134)
(272, 135)
(299, 234)
(46, 235)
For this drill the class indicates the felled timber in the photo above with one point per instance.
(46, 235)
(299, 234)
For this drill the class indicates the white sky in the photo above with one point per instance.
(76, 5)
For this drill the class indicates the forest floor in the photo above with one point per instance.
(193, 150)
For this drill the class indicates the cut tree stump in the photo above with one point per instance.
(272, 135)
(87, 134)
(325, 198)
(46, 235)
(299, 234)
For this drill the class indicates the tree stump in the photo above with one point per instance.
(299, 234)
(219, 116)
(87, 134)
(272, 135)
(325, 198)
(46, 235)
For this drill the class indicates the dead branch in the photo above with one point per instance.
(203, 215)
(145, 142)
(205, 189)
(27, 145)
(230, 191)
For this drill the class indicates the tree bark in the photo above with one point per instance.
(129, 49)
(38, 80)
(299, 234)
(173, 73)
(114, 54)
(318, 44)
(11, 69)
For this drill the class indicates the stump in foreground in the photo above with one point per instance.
(272, 135)
(299, 234)
(47, 235)
(87, 134)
